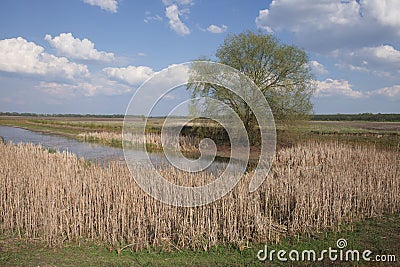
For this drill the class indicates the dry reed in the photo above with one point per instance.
(187, 143)
(311, 187)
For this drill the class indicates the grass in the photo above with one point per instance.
(344, 127)
(381, 134)
(380, 235)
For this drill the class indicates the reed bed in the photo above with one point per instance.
(58, 198)
(186, 143)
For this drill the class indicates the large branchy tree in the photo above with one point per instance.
(280, 71)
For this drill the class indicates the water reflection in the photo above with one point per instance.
(90, 151)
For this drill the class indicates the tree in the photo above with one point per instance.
(280, 71)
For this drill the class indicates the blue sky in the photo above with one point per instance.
(89, 56)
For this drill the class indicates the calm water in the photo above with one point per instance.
(90, 151)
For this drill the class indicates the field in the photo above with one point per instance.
(108, 130)
(327, 179)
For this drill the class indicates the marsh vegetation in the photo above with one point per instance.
(312, 187)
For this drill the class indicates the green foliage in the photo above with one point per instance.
(52, 150)
(280, 71)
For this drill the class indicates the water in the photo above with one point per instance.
(90, 151)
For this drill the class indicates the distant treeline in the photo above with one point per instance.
(62, 115)
(328, 117)
(357, 117)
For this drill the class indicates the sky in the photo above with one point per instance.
(90, 56)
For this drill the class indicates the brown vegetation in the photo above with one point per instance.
(186, 143)
(57, 197)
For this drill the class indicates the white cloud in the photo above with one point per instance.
(154, 89)
(392, 91)
(331, 87)
(317, 68)
(328, 25)
(383, 60)
(132, 75)
(108, 5)
(217, 29)
(387, 12)
(96, 85)
(63, 90)
(262, 20)
(20, 56)
(383, 53)
(136, 75)
(361, 35)
(173, 75)
(172, 13)
(301, 12)
(69, 46)
(150, 17)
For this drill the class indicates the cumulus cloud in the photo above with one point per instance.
(383, 60)
(108, 5)
(391, 91)
(173, 75)
(67, 45)
(262, 20)
(168, 79)
(317, 68)
(172, 13)
(132, 75)
(327, 25)
(174, 10)
(383, 53)
(20, 56)
(361, 35)
(387, 12)
(331, 87)
(217, 29)
(95, 86)
(63, 90)
(136, 75)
